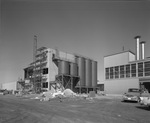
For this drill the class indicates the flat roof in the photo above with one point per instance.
(120, 53)
(141, 60)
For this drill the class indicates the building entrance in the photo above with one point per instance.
(145, 84)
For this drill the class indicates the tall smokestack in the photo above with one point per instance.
(142, 49)
(34, 48)
(137, 47)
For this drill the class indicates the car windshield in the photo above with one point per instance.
(133, 90)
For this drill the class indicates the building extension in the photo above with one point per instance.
(126, 70)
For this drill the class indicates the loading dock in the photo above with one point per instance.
(144, 84)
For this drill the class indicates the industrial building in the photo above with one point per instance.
(53, 69)
(16, 85)
(126, 70)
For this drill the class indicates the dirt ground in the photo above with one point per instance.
(104, 109)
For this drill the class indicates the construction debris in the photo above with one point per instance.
(58, 95)
(68, 93)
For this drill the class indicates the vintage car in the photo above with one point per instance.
(133, 94)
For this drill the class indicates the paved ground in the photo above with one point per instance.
(105, 109)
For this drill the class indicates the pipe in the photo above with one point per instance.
(142, 49)
(137, 47)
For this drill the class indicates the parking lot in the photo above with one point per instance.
(104, 109)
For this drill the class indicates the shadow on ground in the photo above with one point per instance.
(143, 107)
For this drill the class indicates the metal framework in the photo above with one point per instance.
(65, 81)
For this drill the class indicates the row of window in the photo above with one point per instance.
(129, 70)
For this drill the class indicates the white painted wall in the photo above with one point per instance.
(131, 57)
(119, 86)
(9, 86)
(67, 56)
(117, 59)
(53, 69)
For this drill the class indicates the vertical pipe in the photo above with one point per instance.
(137, 47)
(142, 49)
(34, 48)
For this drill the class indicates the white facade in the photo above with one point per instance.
(9, 86)
(53, 69)
(118, 59)
(51, 65)
(119, 85)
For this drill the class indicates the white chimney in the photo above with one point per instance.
(142, 49)
(137, 47)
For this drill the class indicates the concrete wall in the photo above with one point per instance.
(119, 86)
(117, 59)
(9, 86)
(67, 56)
(131, 57)
(53, 69)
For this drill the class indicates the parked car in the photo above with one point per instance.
(133, 94)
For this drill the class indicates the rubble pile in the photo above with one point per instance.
(58, 95)
(68, 93)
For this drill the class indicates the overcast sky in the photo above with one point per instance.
(93, 28)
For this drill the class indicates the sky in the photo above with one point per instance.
(92, 28)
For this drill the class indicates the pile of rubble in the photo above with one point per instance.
(65, 95)
(57, 94)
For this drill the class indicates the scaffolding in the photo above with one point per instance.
(38, 65)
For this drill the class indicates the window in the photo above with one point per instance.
(111, 73)
(140, 69)
(45, 84)
(147, 68)
(127, 71)
(117, 72)
(107, 73)
(45, 70)
(122, 71)
(133, 70)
